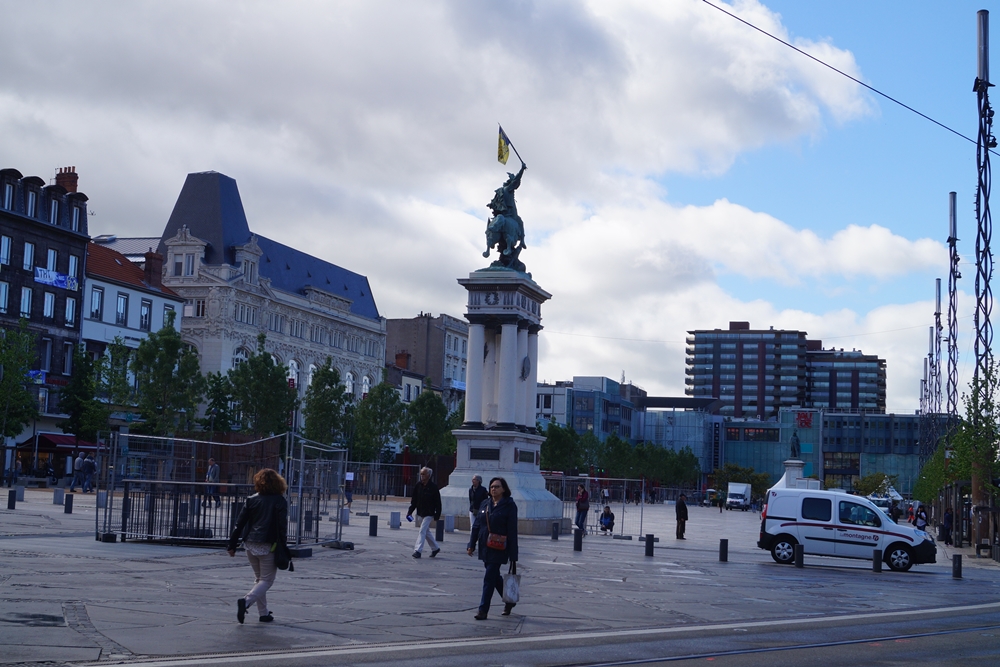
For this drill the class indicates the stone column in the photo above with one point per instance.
(521, 385)
(506, 409)
(489, 402)
(531, 384)
(474, 377)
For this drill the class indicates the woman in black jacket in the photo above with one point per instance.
(262, 525)
(497, 515)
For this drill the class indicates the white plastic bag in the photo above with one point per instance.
(512, 585)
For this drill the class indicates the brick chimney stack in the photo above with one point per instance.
(154, 269)
(67, 177)
(403, 360)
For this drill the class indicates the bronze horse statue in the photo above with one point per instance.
(505, 229)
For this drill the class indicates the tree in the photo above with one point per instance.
(758, 481)
(17, 355)
(561, 449)
(87, 414)
(379, 419)
(428, 421)
(325, 406)
(218, 413)
(111, 375)
(877, 482)
(168, 378)
(261, 392)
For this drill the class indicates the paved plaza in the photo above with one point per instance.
(65, 597)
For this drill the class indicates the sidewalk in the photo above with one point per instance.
(66, 597)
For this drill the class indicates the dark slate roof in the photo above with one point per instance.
(292, 270)
(133, 248)
(210, 205)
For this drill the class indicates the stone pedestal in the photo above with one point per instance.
(793, 477)
(498, 438)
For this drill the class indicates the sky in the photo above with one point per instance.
(684, 170)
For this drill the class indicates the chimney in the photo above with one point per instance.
(403, 360)
(154, 269)
(67, 177)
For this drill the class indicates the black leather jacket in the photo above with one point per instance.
(503, 521)
(263, 519)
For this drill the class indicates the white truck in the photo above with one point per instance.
(738, 496)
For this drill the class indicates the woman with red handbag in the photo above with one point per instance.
(495, 532)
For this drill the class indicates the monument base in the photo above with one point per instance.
(513, 455)
(793, 477)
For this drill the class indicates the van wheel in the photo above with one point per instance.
(783, 550)
(899, 558)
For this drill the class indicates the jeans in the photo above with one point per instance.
(424, 534)
(263, 572)
(581, 520)
(493, 581)
(87, 485)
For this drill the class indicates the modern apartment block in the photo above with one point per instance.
(758, 372)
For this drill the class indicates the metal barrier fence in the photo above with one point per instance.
(150, 487)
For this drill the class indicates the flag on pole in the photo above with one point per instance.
(503, 147)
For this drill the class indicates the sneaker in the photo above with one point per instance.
(416, 554)
(267, 619)
(241, 609)
(435, 552)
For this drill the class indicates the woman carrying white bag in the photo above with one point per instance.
(495, 533)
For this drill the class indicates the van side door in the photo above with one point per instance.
(859, 530)
(816, 529)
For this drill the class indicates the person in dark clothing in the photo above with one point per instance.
(582, 507)
(477, 496)
(262, 525)
(426, 500)
(681, 511)
(497, 516)
(946, 525)
(894, 512)
(212, 477)
(607, 520)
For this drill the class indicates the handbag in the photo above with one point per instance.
(512, 585)
(494, 541)
(283, 557)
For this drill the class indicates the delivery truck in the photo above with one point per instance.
(738, 496)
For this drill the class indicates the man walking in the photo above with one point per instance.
(77, 473)
(426, 500)
(477, 494)
(212, 477)
(88, 468)
(682, 515)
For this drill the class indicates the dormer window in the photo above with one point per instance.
(249, 272)
(189, 264)
(54, 212)
(76, 218)
(8, 196)
(32, 201)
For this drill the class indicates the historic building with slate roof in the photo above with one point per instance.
(237, 284)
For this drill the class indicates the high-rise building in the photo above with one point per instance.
(757, 372)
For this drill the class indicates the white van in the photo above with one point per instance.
(832, 523)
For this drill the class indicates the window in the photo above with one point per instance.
(43, 400)
(8, 196)
(54, 212)
(239, 356)
(26, 301)
(312, 372)
(349, 383)
(858, 515)
(49, 305)
(366, 384)
(464, 343)
(32, 201)
(145, 314)
(168, 311)
(67, 358)
(275, 322)
(74, 266)
(4, 296)
(293, 373)
(244, 313)
(249, 273)
(46, 356)
(76, 218)
(178, 265)
(761, 435)
(52, 260)
(70, 311)
(817, 509)
(189, 264)
(29, 256)
(97, 303)
(4, 250)
(199, 308)
(121, 310)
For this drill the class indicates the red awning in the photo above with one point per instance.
(64, 443)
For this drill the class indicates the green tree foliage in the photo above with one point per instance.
(17, 356)
(428, 432)
(561, 449)
(325, 406)
(877, 482)
(87, 414)
(261, 392)
(379, 419)
(219, 396)
(169, 380)
(111, 375)
(759, 481)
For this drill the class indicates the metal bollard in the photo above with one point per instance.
(876, 560)
(649, 544)
(555, 530)
(345, 516)
(723, 551)
(577, 540)
(439, 530)
(956, 566)
(800, 552)
(20, 492)
(394, 520)
(58, 495)
(11, 499)
(68, 504)
(373, 525)
(449, 523)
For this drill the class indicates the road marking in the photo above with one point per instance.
(496, 642)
